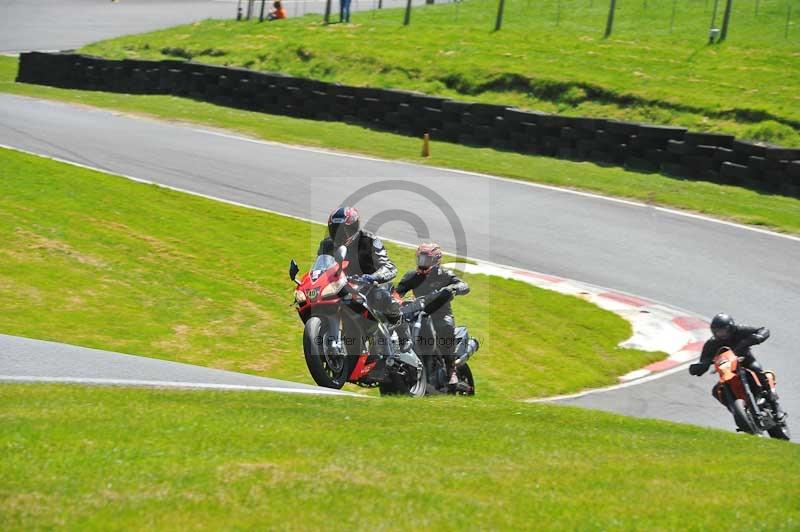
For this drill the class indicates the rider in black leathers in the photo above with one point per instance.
(366, 258)
(365, 252)
(430, 277)
(740, 338)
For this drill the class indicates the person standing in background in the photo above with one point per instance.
(344, 10)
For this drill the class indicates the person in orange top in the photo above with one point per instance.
(277, 12)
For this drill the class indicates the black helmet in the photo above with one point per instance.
(343, 225)
(723, 326)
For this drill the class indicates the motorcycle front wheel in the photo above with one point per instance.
(743, 418)
(780, 432)
(328, 368)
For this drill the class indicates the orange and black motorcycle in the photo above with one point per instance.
(741, 392)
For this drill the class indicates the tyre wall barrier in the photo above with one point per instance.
(641, 147)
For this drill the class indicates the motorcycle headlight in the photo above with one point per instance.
(299, 296)
(335, 287)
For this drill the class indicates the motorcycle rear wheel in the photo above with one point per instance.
(465, 374)
(327, 368)
(743, 417)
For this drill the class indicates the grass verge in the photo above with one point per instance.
(94, 458)
(734, 203)
(647, 71)
(100, 261)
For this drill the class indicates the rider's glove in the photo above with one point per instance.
(368, 279)
(697, 369)
(459, 288)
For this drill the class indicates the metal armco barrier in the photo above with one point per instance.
(641, 147)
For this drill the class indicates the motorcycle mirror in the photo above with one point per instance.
(293, 271)
(340, 254)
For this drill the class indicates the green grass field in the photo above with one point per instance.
(100, 261)
(97, 260)
(113, 458)
(550, 56)
(733, 203)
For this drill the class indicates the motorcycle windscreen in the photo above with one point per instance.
(322, 263)
(438, 301)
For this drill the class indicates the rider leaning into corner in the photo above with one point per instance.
(430, 277)
(365, 252)
(740, 338)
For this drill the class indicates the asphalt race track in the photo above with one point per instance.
(689, 262)
(27, 360)
(68, 24)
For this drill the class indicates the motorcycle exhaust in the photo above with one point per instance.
(472, 348)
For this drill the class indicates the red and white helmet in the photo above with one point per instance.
(343, 225)
(428, 256)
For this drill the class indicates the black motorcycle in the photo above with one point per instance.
(416, 314)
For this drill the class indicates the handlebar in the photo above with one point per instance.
(428, 303)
